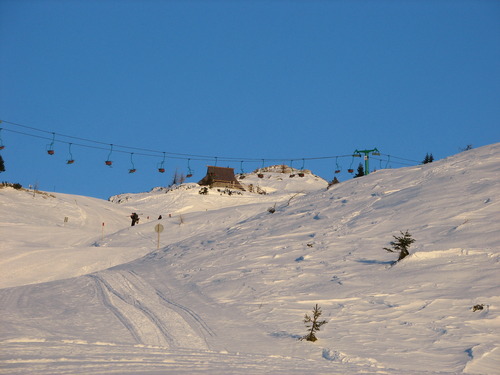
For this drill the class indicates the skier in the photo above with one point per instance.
(135, 218)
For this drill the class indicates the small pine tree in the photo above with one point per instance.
(335, 181)
(401, 245)
(2, 165)
(428, 158)
(361, 171)
(312, 324)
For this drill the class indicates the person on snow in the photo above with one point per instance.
(135, 218)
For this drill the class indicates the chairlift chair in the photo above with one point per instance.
(108, 162)
(132, 170)
(70, 160)
(190, 172)
(242, 174)
(50, 147)
(161, 167)
(337, 166)
(351, 169)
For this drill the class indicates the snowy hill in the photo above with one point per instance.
(228, 288)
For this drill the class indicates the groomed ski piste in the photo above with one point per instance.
(225, 287)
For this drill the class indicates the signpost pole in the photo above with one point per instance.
(158, 229)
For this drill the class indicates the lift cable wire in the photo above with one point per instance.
(170, 155)
(100, 142)
(99, 145)
(107, 148)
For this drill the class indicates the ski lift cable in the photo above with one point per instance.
(155, 153)
(90, 146)
(180, 155)
(395, 157)
(388, 159)
(117, 147)
(201, 157)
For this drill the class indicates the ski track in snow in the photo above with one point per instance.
(150, 318)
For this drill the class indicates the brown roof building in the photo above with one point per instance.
(221, 177)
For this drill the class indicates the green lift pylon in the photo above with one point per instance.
(358, 153)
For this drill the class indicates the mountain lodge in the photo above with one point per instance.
(221, 177)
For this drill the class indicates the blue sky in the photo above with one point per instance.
(239, 81)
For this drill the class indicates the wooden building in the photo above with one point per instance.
(221, 177)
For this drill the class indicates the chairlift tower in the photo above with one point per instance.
(358, 153)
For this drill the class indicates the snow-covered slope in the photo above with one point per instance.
(227, 289)
(52, 236)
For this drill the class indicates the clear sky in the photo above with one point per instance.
(237, 81)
